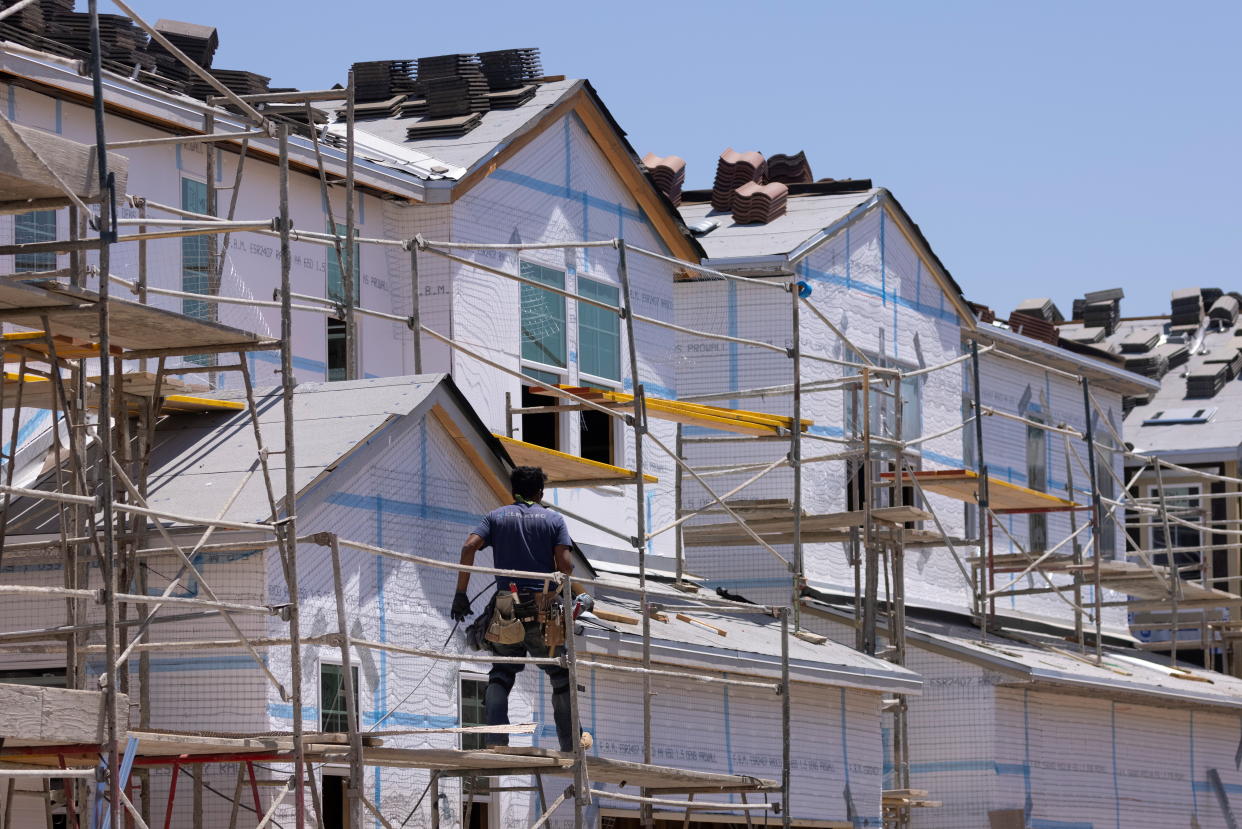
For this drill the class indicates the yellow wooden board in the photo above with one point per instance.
(67, 348)
(569, 470)
(37, 393)
(963, 485)
(740, 421)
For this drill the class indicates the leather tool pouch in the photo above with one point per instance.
(505, 628)
(553, 620)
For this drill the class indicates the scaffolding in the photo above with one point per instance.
(103, 516)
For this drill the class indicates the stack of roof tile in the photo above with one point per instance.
(120, 40)
(668, 174)
(1079, 333)
(453, 127)
(1104, 314)
(454, 85)
(1205, 379)
(1140, 340)
(199, 43)
(789, 169)
(510, 68)
(29, 18)
(1187, 306)
(755, 203)
(1228, 356)
(1153, 364)
(1226, 309)
(238, 81)
(1210, 295)
(1176, 353)
(380, 80)
(732, 171)
(1043, 307)
(1037, 328)
(371, 110)
(512, 98)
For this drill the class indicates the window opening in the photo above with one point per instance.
(333, 706)
(336, 349)
(36, 226)
(543, 317)
(599, 331)
(543, 428)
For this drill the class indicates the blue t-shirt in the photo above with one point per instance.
(522, 537)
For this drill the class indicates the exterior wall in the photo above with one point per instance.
(871, 283)
(251, 267)
(559, 188)
(1092, 761)
(1021, 389)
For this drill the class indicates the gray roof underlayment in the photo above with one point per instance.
(202, 461)
(804, 217)
(496, 129)
(1219, 437)
(751, 644)
(1037, 659)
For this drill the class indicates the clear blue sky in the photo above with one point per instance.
(1045, 148)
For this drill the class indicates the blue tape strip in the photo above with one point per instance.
(1194, 795)
(880, 293)
(408, 509)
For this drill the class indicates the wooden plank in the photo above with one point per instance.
(566, 470)
(815, 528)
(691, 620)
(37, 716)
(67, 348)
(24, 175)
(132, 326)
(142, 384)
(642, 775)
(963, 485)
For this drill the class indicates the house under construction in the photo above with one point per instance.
(853, 546)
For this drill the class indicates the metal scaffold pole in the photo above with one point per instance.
(1096, 521)
(640, 524)
(795, 452)
(107, 562)
(981, 583)
(288, 534)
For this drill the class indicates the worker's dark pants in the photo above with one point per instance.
(500, 683)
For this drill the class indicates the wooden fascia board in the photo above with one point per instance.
(606, 139)
(942, 279)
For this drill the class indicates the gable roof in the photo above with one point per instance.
(202, 462)
(814, 214)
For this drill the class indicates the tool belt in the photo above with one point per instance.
(511, 611)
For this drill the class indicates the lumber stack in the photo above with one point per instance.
(1035, 327)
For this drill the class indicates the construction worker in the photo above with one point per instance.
(523, 536)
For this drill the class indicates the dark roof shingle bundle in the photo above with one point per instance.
(1205, 379)
(1140, 340)
(732, 171)
(1227, 356)
(380, 80)
(443, 127)
(237, 81)
(1037, 328)
(1042, 307)
(668, 174)
(1153, 364)
(1187, 307)
(1225, 308)
(510, 68)
(1176, 353)
(755, 203)
(29, 18)
(119, 39)
(453, 85)
(789, 169)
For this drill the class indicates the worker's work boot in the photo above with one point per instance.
(587, 740)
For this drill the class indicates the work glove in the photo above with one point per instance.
(461, 606)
